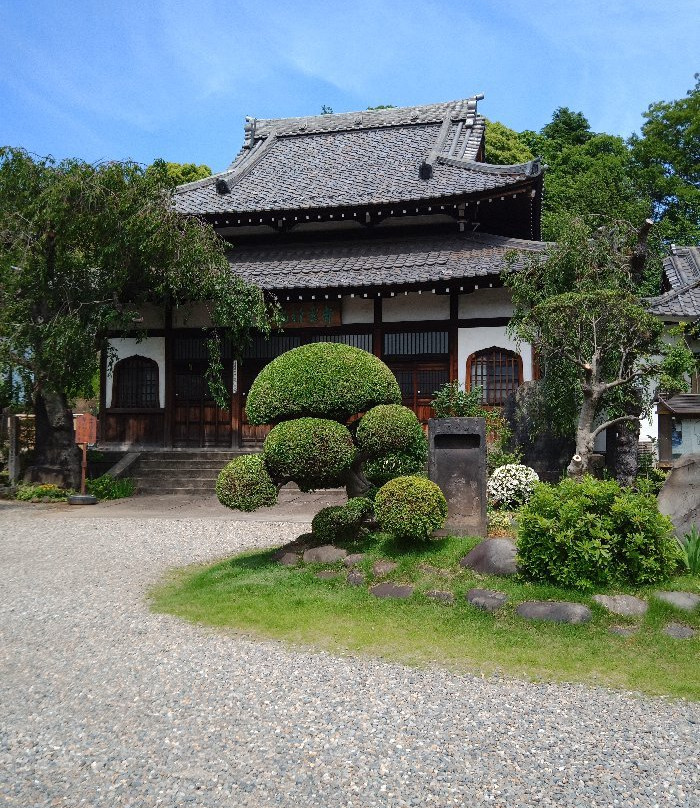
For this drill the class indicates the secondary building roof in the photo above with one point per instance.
(364, 263)
(356, 159)
(682, 272)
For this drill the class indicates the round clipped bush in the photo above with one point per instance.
(380, 470)
(324, 380)
(341, 522)
(389, 428)
(594, 534)
(410, 508)
(313, 452)
(511, 486)
(244, 484)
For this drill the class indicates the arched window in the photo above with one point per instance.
(135, 383)
(497, 371)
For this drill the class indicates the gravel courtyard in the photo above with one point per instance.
(103, 703)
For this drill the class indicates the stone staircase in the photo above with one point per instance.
(184, 472)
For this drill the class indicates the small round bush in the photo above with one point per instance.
(244, 484)
(594, 534)
(410, 508)
(511, 486)
(389, 428)
(314, 452)
(341, 523)
(323, 380)
(380, 470)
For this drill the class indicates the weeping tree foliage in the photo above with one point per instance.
(600, 351)
(82, 247)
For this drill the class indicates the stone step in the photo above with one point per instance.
(174, 490)
(218, 455)
(171, 481)
(158, 464)
(180, 471)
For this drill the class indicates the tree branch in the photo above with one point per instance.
(612, 422)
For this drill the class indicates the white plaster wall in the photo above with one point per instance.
(690, 431)
(151, 348)
(476, 339)
(357, 310)
(414, 307)
(486, 303)
(194, 316)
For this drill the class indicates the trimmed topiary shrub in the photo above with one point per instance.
(341, 523)
(244, 484)
(511, 486)
(380, 470)
(393, 439)
(594, 534)
(324, 380)
(410, 508)
(314, 452)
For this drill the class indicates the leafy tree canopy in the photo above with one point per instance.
(505, 146)
(180, 173)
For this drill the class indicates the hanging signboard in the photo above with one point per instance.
(312, 314)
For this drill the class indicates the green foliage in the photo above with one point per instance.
(594, 534)
(389, 428)
(380, 470)
(382, 106)
(46, 492)
(690, 546)
(313, 452)
(504, 146)
(324, 380)
(341, 523)
(106, 487)
(244, 484)
(452, 401)
(180, 173)
(650, 479)
(410, 508)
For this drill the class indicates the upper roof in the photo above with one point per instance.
(682, 271)
(353, 159)
(363, 263)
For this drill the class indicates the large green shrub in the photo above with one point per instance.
(594, 534)
(394, 441)
(244, 484)
(380, 470)
(341, 523)
(324, 380)
(314, 452)
(410, 508)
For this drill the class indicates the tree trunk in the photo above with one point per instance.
(57, 459)
(356, 484)
(581, 462)
(627, 446)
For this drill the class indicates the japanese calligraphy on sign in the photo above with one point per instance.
(312, 314)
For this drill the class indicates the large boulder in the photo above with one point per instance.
(679, 498)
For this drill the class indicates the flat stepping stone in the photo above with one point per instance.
(678, 631)
(441, 596)
(289, 559)
(382, 568)
(389, 590)
(686, 601)
(492, 557)
(353, 559)
(326, 554)
(490, 600)
(327, 575)
(356, 578)
(429, 569)
(555, 611)
(624, 631)
(624, 605)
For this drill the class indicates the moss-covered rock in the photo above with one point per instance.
(410, 508)
(313, 452)
(244, 484)
(324, 380)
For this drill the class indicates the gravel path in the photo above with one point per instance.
(105, 704)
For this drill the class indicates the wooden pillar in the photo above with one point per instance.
(453, 338)
(102, 412)
(665, 448)
(236, 409)
(169, 403)
(377, 336)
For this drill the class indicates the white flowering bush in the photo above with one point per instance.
(511, 486)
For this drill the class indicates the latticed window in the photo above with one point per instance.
(135, 383)
(497, 371)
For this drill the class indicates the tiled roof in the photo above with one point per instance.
(355, 158)
(682, 404)
(682, 269)
(367, 263)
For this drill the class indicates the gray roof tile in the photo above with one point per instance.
(682, 270)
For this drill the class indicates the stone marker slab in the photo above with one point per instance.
(555, 611)
(686, 601)
(679, 499)
(624, 605)
(441, 596)
(381, 568)
(353, 559)
(389, 590)
(624, 631)
(327, 575)
(492, 557)
(678, 631)
(289, 559)
(326, 554)
(490, 600)
(356, 578)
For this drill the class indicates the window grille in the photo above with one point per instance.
(497, 371)
(194, 349)
(135, 383)
(416, 343)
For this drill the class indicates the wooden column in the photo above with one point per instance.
(377, 347)
(453, 339)
(169, 402)
(236, 414)
(665, 448)
(102, 413)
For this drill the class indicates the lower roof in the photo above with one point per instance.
(395, 262)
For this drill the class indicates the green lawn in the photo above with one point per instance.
(254, 594)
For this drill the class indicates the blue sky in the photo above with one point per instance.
(140, 80)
